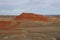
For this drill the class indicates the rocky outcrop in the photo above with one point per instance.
(31, 16)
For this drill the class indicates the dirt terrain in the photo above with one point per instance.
(29, 26)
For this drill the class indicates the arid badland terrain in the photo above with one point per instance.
(29, 26)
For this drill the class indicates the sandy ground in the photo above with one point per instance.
(29, 30)
(33, 30)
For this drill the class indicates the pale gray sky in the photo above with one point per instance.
(15, 7)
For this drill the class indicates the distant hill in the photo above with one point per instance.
(31, 16)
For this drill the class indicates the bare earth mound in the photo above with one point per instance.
(31, 16)
(30, 26)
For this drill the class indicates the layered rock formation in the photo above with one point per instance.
(23, 16)
(29, 26)
(31, 16)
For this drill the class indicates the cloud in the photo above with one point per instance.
(54, 3)
(38, 6)
(11, 12)
(13, 2)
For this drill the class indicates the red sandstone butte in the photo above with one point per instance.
(31, 16)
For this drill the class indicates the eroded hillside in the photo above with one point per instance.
(30, 26)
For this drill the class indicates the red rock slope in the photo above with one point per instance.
(31, 16)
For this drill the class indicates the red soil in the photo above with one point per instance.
(3, 24)
(15, 26)
(31, 16)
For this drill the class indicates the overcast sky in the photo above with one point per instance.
(16, 7)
